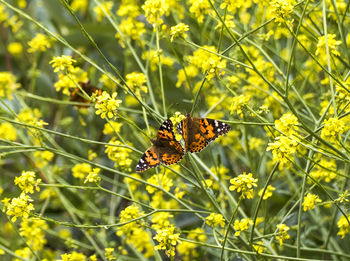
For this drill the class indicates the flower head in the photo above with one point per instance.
(343, 225)
(333, 128)
(287, 124)
(215, 220)
(268, 192)
(245, 184)
(309, 201)
(167, 240)
(93, 176)
(39, 43)
(178, 31)
(119, 154)
(238, 103)
(8, 85)
(27, 182)
(62, 63)
(282, 233)
(109, 254)
(241, 225)
(33, 230)
(282, 148)
(81, 170)
(332, 44)
(19, 207)
(154, 10)
(107, 105)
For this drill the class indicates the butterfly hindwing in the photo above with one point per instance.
(148, 160)
(165, 149)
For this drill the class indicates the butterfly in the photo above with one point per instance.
(198, 132)
(165, 149)
(77, 96)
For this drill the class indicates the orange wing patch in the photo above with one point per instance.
(169, 159)
(199, 143)
(148, 160)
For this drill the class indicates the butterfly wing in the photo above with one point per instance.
(171, 153)
(203, 131)
(148, 160)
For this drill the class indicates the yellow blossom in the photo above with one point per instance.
(167, 240)
(33, 230)
(282, 233)
(93, 176)
(107, 105)
(39, 43)
(101, 9)
(161, 180)
(245, 184)
(332, 44)
(332, 129)
(215, 220)
(154, 10)
(178, 31)
(63, 63)
(8, 84)
(74, 256)
(111, 127)
(19, 207)
(7, 131)
(154, 57)
(15, 49)
(310, 200)
(136, 82)
(120, 155)
(282, 149)
(343, 225)
(79, 5)
(200, 8)
(238, 103)
(241, 225)
(82, 170)
(27, 182)
(268, 192)
(287, 124)
(109, 254)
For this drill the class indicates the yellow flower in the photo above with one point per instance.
(241, 225)
(15, 49)
(108, 82)
(259, 246)
(268, 192)
(245, 184)
(343, 226)
(109, 254)
(161, 180)
(282, 149)
(107, 105)
(200, 8)
(8, 85)
(131, 28)
(332, 129)
(19, 207)
(74, 256)
(42, 158)
(33, 230)
(160, 220)
(287, 124)
(67, 82)
(342, 197)
(282, 233)
(154, 56)
(178, 31)
(62, 63)
(309, 201)
(79, 5)
(120, 155)
(81, 170)
(136, 82)
(215, 220)
(111, 127)
(282, 10)
(93, 176)
(154, 10)
(100, 10)
(167, 240)
(206, 60)
(7, 131)
(27, 182)
(238, 103)
(39, 43)
(332, 44)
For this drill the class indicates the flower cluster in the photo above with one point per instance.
(8, 85)
(178, 31)
(310, 200)
(343, 225)
(245, 184)
(332, 129)
(18, 207)
(33, 230)
(167, 240)
(119, 154)
(215, 220)
(241, 225)
(268, 192)
(331, 42)
(188, 249)
(27, 182)
(154, 10)
(238, 103)
(107, 105)
(41, 43)
(282, 149)
(282, 233)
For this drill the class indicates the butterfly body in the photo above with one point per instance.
(199, 132)
(165, 149)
